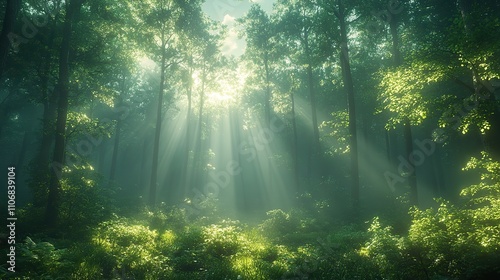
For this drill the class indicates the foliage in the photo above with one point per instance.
(86, 201)
(444, 70)
(279, 223)
(337, 129)
(131, 248)
(43, 259)
(450, 242)
(458, 242)
(402, 91)
(221, 240)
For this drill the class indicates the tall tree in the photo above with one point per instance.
(208, 60)
(164, 23)
(340, 38)
(397, 58)
(72, 9)
(259, 31)
(48, 98)
(296, 20)
(11, 10)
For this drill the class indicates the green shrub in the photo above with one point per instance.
(458, 242)
(130, 249)
(189, 250)
(280, 223)
(40, 260)
(222, 240)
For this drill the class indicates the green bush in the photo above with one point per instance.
(84, 200)
(189, 250)
(42, 259)
(130, 249)
(221, 240)
(280, 223)
(457, 242)
(453, 241)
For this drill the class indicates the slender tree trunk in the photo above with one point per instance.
(11, 11)
(295, 143)
(116, 146)
(24, 147)
(235, 120)
(388, 146)
(396, 53)
(49, 102)
(142, 180)
(391, 146)
(438, 175)
(51, 213)
(198, 146)
(398, 61)
(349, 86)
(49, 115)
(101, 163)
(4, 111)
(156, 146)
(366, 127)
(187, 142)
(312, 96)
(118, 128)
(268, 89)
(412, 178)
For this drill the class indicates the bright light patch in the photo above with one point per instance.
(146, 63)
(228, 20)
(218, 97)
(232, 45)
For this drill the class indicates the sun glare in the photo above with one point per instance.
(217, 97)
(145, 62)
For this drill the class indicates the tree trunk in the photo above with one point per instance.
(51, 213)
(118, 128)
(349, 86)
(312, 96)
(187, 142)
(412, 178)
(24, 147)
(114, 157)
(198, 149)
(141, 179)
(388, 146)
(49, 101)
(4, 111)
(295, 143)
(268, 89)
(438, 174)
(156, 146)
(11, 11)
(398, 61)
(101, 157)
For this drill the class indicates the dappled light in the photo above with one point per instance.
(250, 140)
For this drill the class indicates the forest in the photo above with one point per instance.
(250, 139)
